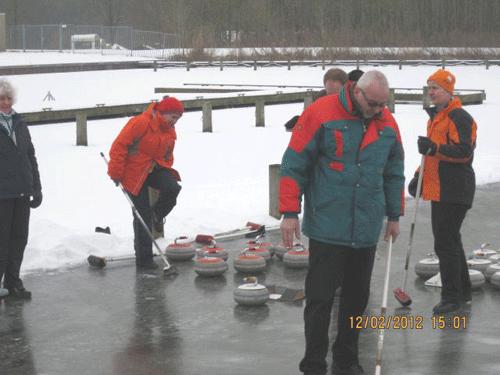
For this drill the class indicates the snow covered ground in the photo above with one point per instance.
(225, 173)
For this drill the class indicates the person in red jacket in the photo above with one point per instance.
(449, 183)
(141, 157)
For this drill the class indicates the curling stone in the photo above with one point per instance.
(258, 242)
(479, 264)
(298, 257)
(215, 251)
(249, 263)
(209, 266)
(182, 249)
(477, 279)
(279, 251)
(495, 280)
(263, 252)
(491, 270)
(495, 258)
(483, 252)
(427, 267)
(251, 293)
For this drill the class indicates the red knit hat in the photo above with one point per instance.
(169, 104)
(444, 79)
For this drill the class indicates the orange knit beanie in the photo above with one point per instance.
(443, 78)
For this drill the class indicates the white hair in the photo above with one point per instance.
(6, 89)
(373, 77)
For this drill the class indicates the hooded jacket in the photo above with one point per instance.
(350, 171)
(448, 175)
(144, 142)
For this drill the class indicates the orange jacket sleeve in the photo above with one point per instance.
(131, 132)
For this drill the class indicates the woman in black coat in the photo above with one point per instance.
(20, 190)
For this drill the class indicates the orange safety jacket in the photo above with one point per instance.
(448, 175)
(145, 141)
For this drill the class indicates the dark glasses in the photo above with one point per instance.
(372, 103)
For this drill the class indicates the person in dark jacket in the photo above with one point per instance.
(449, 183)
(20, 190)
(333, 80)
(346, 157)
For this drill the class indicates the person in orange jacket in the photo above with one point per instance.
(449, 183)
(141, 157)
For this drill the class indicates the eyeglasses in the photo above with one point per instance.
(372, 103)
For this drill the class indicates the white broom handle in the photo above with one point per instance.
(380, 344)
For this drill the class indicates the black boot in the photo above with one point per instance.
(146, 264)
(18, 291)
(445, 307)
(354, 369)
(3, 293)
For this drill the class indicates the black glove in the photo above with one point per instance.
(116, 182)
(291, 123)
(412, 186)
(426, 146)
(36, 200)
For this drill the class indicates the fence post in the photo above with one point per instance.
(131, 41)
(425, 97)
(207, 117)
(391, 102)
(102, 39)
(255, 65)
(164, 43)
(289, 64)
(221, 64)
(259, 113)
(41, 38)
(24, 38)
(323, 63)
(60, 38)
(308, 99)
(487, 63)
(400, 64)
(3, 32)
(443, 64)
(81, 129)
(274, 180)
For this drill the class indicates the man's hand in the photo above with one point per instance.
(392, 229)
(289, 227)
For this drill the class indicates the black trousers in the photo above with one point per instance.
(169, 189)
(447, 220)
(14, 226)
(331, 266)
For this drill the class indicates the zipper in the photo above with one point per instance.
(357, 184)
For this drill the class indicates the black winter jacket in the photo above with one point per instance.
(18, 166)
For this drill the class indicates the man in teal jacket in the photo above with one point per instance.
(346, 157)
